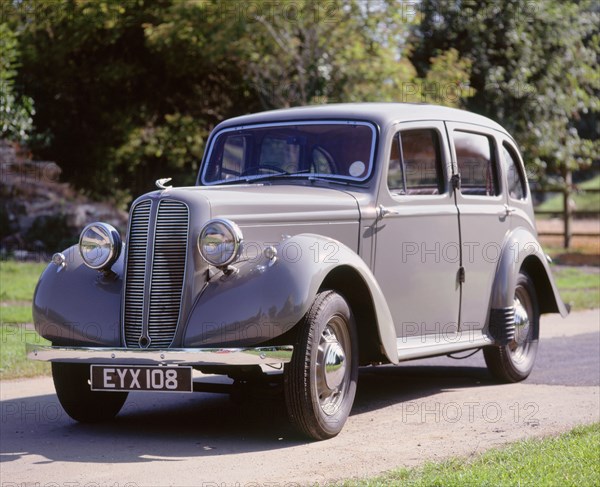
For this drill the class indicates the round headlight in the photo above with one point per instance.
(99, 245)
(219, 242)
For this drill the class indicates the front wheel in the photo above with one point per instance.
(71, 382)
(320, 381)
(513, 362)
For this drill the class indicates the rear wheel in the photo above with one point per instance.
(320, 381)
(513, 362)
(71, 382)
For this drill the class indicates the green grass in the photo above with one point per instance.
(10, 314)
(583, 201)
(13, 362)
(580, 288)
(571, 459)
(18, 279)
(17, 283)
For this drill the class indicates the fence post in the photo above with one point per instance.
(567, 207)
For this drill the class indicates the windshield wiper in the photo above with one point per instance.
(334, 180)
(283, 174)
(288, 175)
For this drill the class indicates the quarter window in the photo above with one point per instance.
(415, 163)
(476, 165)
(516, 181)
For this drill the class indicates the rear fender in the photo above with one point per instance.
(521, 251)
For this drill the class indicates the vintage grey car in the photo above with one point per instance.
(316, 240)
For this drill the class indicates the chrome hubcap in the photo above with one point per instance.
(521, 322)
(335, 364)
(332, 370)
(519, 348)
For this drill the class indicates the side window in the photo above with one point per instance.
(476, 164)
(516, 181)
(415, 163)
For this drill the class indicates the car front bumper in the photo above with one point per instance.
(173, 356)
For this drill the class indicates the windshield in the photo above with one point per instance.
(339, 150)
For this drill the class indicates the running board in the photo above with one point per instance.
(433, 345)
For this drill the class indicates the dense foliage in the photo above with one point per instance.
(534, 69)
(15, 111)
(126, 91)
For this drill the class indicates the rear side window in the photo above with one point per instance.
(517, 188)
(415, 163)
(476, 164)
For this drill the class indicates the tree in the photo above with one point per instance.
(309, 51)
(534, 68)
(125, 91)
(15, 112)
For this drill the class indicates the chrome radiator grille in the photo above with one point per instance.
(137, 246)
(152, 304)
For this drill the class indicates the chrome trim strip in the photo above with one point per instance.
(432, 345)
(177, 356)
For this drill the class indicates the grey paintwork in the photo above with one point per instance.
(520, 247)
(272, 297)
(75, 305)
(261, 299)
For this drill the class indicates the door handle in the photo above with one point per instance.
(382, 212)
(509, 210)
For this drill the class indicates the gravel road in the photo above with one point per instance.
(404, 415)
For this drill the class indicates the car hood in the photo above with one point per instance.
(265, 212)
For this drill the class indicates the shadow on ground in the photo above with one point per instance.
(156, 426)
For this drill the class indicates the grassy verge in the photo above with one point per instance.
(13, 362)
(579, 287)
(17, 283)
(570, 459)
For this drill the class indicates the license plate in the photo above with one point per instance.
(142, 378)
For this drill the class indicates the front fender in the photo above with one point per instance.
(521, 250)
(76, 305)
(262, 299)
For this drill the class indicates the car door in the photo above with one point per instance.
(416, 238)
(484, 216)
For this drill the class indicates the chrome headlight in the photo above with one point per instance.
(220, 242)
(99, 245)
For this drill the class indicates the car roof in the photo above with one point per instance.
(383, 114)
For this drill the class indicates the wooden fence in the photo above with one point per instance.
(567, 213)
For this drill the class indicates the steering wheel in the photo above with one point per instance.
(267, 166)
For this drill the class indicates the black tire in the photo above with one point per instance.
(319, 402)
(513, 362)
(71, 382)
